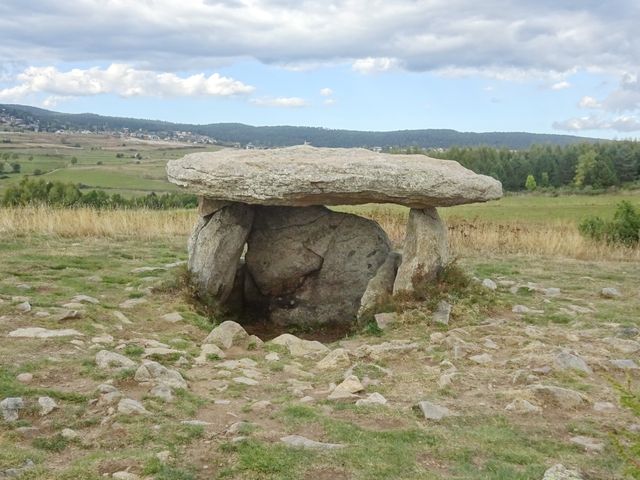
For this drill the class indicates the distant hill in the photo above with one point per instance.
(278, 136)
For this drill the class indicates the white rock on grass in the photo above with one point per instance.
(38, 332)
(132, 303)
(121, 317)
(338, 358)
(272, 357)
(298, 347)
(209, 351)
(124, 475)
(432, 411)
(588, 443)
(442, 313)
(558, 396)
(10, 407)
(490, 284)
(520, 405)
(163, 392)
(24, 307)
(384, 320)
(227, 335)
(298, 441)
(624, 364)
(347, 388)
(524, 310)
(69, 434)
(373, 399)
(560, 472)
(172, 317)
(246, 381)
(85, 299)
(482, 359)
(24, 377)
(604, 407)
(47, 405)
(107, 360)
(623, 345)
(569, 361)
(153, 372)
(610, 292)
(129, 406)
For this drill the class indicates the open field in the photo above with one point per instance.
(237, 438)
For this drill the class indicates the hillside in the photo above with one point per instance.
(277, 136)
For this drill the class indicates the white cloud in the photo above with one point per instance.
(374, 65)
(561, 85)
(326, 92)
(329, 101)
(288, 102)
(589, 102)
(595, 122)
(118, 79)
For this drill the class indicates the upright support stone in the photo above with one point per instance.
(425, 252)
(215, 247)
(381, 285)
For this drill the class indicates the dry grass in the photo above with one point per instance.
(555, 238)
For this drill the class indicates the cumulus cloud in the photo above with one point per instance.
(589, 102)
(118, 79)
(596, 122)
(560, 85)
(287, 102)
(374, 65)
(326, 92)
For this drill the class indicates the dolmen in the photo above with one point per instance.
(266, 243)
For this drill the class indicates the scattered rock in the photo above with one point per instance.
(261, 405)
(10, 408)
(604, 407)
(69, 434)
(163, 392)
(623, 345)
(568, 361)
(378, 351)
(624, 364)
(122, 317)
(481, 359)
(490, 284)
(442, 313)
(17, 472)
(558, 396)
(272, 357)
(66, 315)
(588, 443)
(24, 377)
(132, 303)
(28, 433)
(432, 411)
(101, 339)
(347, 388)
(129, 406)
(172, 317)
(338, 358)
(298, 441)
(107, 360)
(383, 320)
(373, 399)
(299, 347)
(124, 475)
(24, 307)
(520, 405)
(85, 299)
(38, 332)
(610, 292)
(294, 371)
(227, 335)
(246, 381)
(47, 405)
(560, 472)
(156, 373)
(209, 351)
(524, 310)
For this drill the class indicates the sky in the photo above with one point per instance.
(561, 66)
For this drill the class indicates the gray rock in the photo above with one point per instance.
(425, 251)
(490, 284)
(481, 359)
(163, 392)
(129, 406)
(24, 377)
(17, 472)
(304, 176)
(298, 441)
(10, 407)
(384, 320)
(610, 292)
(558, 396)
(132, 303)
(381, 285)
(172, 317)
(373, 399)
(432, 411)
(442, 313)
(298, 347)
(246, 381)
(209, 350)
(69, 434)
(215, 247)
(124, 475)
(524, 310)
(338, 358)
(107, 360)
(588, 443)
(38, 332)
(47, 405)
(568, 361)
(623, 345)
(85, 299)
(330, 259)
(560, 472)
(520, 405)
(346, 389)
(624, 364)
(628, 332)
(24, 307)
(227, 334)
(604, 407)
(156, 373)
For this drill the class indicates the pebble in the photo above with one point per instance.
(47, 405)
(24, 307)
(172, 317)
(24, 377)
(490, 284)
(610, 292)
(442, 313)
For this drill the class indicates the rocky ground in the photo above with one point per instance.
(107, 371)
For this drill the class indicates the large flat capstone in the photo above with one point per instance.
(305, 176)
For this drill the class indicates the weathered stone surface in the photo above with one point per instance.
(227, 334)
(47, 405)
(558, 396)
(425, 252)
(304, 175)
(129, 406)
(110, 360)
(381, 285)
(432, 411)
(349, 386)
(560, 472)
(215, 247)
(9, 407)
(156, 373)
(310, 265)
(569, 361)
(442, 313)
(298, 347)
(39, 332)
(298, 441)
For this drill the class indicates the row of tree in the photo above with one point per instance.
(597, 166)
(40, 192)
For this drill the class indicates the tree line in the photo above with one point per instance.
(585, 166)
(60, 194)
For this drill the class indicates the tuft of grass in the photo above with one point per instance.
(56, 443)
